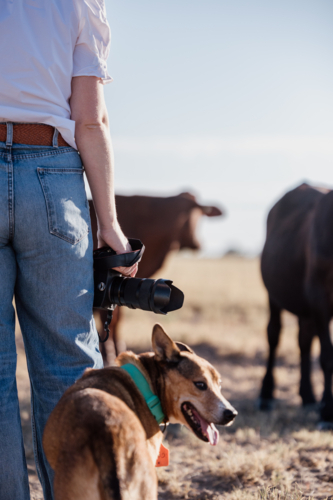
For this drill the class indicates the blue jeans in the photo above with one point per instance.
(46, 262)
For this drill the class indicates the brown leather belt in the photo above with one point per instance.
(35, 134)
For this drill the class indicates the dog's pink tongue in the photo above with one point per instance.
(210, 432)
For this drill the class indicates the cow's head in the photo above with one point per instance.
(193, 211)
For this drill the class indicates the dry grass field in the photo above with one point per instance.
(277, 455)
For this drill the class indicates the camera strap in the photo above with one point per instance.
(106, 326)
(105, 258)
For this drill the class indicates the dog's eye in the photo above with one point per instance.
(202, 386)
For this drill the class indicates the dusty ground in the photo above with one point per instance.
(279, 455)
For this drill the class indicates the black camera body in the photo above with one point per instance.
(112, 288)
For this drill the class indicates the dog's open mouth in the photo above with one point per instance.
(201, 428)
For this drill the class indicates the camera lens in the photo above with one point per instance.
(158, 296)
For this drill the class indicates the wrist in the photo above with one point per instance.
(113, 237)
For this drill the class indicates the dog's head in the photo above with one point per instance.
(192, 388)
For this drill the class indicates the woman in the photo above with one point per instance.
(53, 120)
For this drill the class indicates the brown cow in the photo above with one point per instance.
(297, 269)
(162, 224)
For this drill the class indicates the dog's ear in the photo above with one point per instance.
(183, 347)
(164, 348)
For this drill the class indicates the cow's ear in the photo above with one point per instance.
(183, 347)
(165, 349)
(211, 211)
(208, 210)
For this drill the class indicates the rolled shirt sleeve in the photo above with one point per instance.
(93, 43)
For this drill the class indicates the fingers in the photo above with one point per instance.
(118, 242)
(128, 271)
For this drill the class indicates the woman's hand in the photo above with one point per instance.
(115, 238)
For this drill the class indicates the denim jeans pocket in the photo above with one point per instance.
(66, 202)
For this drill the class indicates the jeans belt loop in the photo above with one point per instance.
(55, 138)
(9, 138)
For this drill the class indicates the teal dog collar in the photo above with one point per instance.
(153, 402)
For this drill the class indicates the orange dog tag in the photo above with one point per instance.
(163, 457)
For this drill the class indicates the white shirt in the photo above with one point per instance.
(44, 43)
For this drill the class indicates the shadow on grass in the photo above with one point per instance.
(214, 356)
(197, 495)
(283, 421)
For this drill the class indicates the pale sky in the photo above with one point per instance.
(231, 100)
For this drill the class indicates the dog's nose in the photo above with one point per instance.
(229, 415)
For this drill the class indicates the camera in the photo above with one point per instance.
(112, 289)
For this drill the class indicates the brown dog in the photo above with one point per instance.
(102, 440)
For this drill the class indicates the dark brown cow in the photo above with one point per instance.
(162, 224)
(297, 269)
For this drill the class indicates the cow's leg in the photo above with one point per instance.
(273, 333)
(326, 362)
(307, 330)
(107, 348)
(119, 342)
(114, 345)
